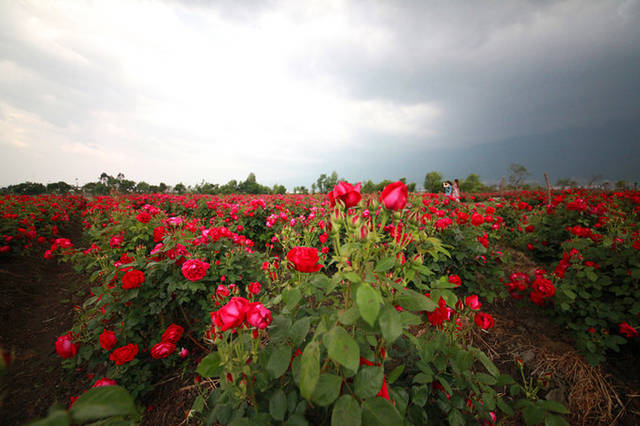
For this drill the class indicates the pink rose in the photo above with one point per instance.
(394, 196)
(472, 302)
(258, 316)
(105, 381)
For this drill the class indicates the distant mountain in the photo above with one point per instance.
(611, 150)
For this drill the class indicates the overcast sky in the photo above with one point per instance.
(190, 91)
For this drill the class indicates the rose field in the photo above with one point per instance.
(342, 308)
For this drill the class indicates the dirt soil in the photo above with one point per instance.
(36, 306)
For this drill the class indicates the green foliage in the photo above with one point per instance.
(433, 182)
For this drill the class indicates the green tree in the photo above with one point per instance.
(279, 189)
(300, 190)
(472, 184)
(126, 186)
(142, 188)
(621, 185)
(411, 187)
(59, 188)
(566, 183)
(433, 182)
(518, 173)
(230, 187)
(180, 188)
(368, 188)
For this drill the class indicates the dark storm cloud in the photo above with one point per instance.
(498, 69)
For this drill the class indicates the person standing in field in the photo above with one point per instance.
(455, 191)
(447, 188)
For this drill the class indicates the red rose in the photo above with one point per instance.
(222, 291)
(194, 269)
(172, 334)
(254, 288)
(162, 350)
(65, 346)
(143, 217)
(454, 279)
(124, 354)
(158, 234)
(105, 381)
(477, 219)
(484, 320)
(484, 240)
(258, 316)
(305, 259)
(347, 193)
(394, 196)
(108, 340)
(627, 330)
(472, 302)
(230, 315)
(116, 241)
(132, 279)
(543, 286)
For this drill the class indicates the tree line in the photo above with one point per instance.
(107, 184)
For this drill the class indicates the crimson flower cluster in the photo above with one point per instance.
(237, 311)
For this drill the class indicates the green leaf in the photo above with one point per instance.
(353, 277)
(419, 395)
(291, 297)
(533, 415)
(278, 405)
(327, 389)
(296, 420)
(504, 407)
(368, 303)
(554, 406)
(279, 361)
(455, 418)
(350, 316)
(393, 376)
(321, 282)
(485, 379)
(488, 364)
(346, 412)
(414, 301)
(343, 349)
(379, 411)
(385, 264)
(55, 418)
(309, 369)
(464, 360)
(101, 402)
(555, 420)
(210, 366)
(390, 324)
(368, 381)
(299, 331)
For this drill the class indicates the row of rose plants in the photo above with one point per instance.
(161, 266)
(161, 281)
(591, 244)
